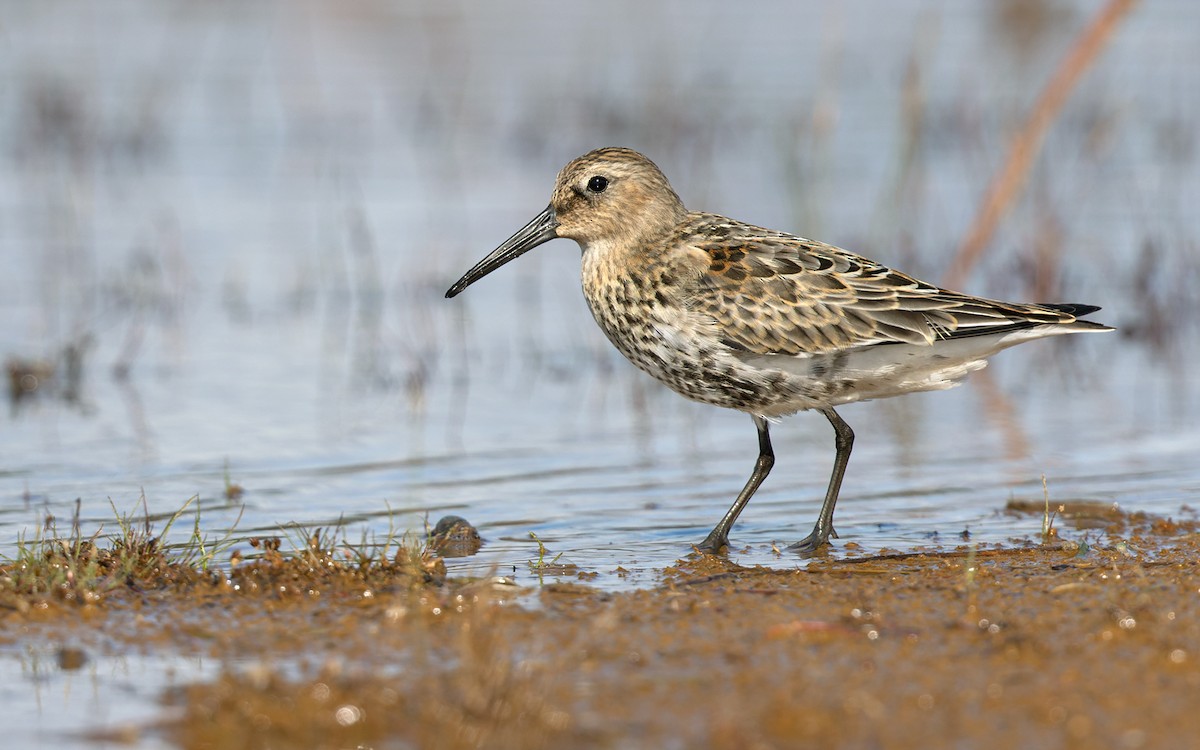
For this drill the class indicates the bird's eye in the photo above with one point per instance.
(597, 184)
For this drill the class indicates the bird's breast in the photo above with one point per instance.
(636, 308)
(642, 309)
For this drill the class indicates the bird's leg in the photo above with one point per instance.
(844, 442)
(719, 536)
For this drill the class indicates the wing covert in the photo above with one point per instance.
(774, 293)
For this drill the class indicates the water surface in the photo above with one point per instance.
(246, 219)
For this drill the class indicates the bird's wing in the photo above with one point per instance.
(775, 293)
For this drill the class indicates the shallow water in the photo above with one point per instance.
(255, 239)
(248, 219)
(104, 701)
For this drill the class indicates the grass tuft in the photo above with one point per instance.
(78, 567)
(83, 568)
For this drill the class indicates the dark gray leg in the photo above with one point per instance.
(844, 442)
(719, 536)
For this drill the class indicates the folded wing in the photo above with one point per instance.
(774, 293)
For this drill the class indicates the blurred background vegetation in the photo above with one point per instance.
(226, 227)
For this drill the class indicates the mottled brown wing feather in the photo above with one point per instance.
(774, 293)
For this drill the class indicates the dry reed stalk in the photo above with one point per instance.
(1008, 182)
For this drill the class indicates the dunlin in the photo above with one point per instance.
(757, 320)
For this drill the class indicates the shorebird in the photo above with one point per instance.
(761, 321)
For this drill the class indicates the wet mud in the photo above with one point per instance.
(1091, 642)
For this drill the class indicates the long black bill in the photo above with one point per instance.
(543, 228)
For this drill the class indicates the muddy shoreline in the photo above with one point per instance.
(1048, 645)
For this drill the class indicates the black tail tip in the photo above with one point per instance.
(1074, 309)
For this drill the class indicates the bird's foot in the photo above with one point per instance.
(713, 544)
(813, 542)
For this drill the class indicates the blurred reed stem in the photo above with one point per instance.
(1007, 184)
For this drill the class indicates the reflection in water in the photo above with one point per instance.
(999, 410)
(143, 435)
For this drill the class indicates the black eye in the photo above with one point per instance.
(597, 184)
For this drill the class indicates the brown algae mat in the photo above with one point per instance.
(1056, 645)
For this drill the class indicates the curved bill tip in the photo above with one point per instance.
(543, 228)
